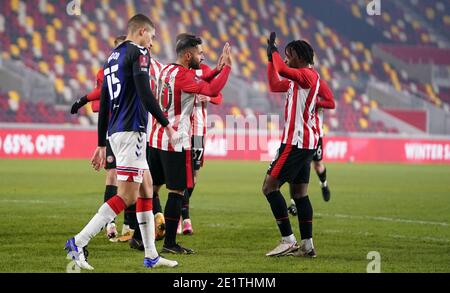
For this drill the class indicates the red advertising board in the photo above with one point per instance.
(68, 144)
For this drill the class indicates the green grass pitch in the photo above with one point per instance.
(400, 211)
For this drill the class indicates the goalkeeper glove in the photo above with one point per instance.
(271, 47)
(78, 104)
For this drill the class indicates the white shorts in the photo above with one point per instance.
(130, 151)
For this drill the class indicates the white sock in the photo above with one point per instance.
(146, 222)
(308, 244)
(292, 201)
(290, 239)
(104, 215)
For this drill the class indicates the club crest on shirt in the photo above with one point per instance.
(143, 61)
(110, 159)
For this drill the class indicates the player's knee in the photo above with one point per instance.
(267, 189)
(297, 195)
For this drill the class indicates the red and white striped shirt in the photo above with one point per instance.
(302, 86)
(326, 101)
(175, 91)
(155, 70)
(200, 113)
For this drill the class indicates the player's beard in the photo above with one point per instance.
(194, 65)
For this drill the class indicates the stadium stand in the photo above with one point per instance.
(69, 49)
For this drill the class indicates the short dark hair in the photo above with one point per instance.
(119, 40)
(138, 21)
(186, 41)
(303, 49)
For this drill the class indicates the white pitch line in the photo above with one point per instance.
(25, 201)
(385, 219)
(395, 236)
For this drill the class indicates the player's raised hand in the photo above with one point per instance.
(271, 47)
(78, 104)
(221, 61)
(98, 159)
(228, 58)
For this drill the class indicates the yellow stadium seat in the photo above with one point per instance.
(130, 9)
(15, 5)
(155, 15)
(326, 129)
(355, 11)
(355, 65)
(213, 55)
(73, 54)
(224, 37)
(351, 91)
(37, 40)
(14, 96)
(346, 52)
(416, 25)
(59, 60)
(366, 66)
(22, 42)
(373, 104)
(347, 98)
(363, 123)
(320, 41)
(43, 67)
(156, 48)
(93, 47)
(50, 34)
(50, 8)
(59, 85)
(429, 12)
(263, 55)
(253, 15)
(446, 19)
(112, 14)
(262, 87)
(235, 111)
(394, 29)
(91, 27)
(29, 21)
(215, 43)
(368, 55)
(14, 49)
(84, 33)
(233, 12)
(245, 6)
(366, 110)
(242, 58)
(325, 74)
(94, 70)
(185, 17)
(233, 31)
(251, 65)
(57, 23)
(425, 37)
(81, 77)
